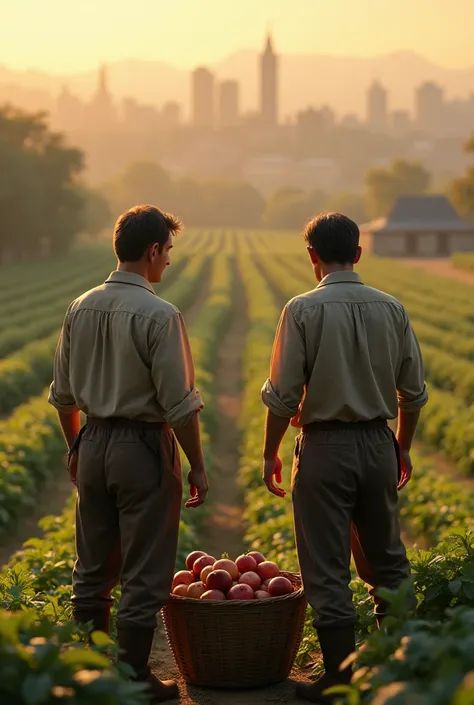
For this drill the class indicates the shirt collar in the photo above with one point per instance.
(119, 277)
(345, 276)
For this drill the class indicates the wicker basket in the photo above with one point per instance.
(236, 644)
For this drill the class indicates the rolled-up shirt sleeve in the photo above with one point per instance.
(172, 369)
(411, 387)
(60, 394)
(283, 391)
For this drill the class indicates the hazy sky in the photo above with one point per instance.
(62, 36)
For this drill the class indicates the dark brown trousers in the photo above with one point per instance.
(345, 498)
(127, 518)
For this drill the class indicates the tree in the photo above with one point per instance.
(384, 186)
(96, 213)
(231, 204)
(40, 203)
(141, 182)
(461, 190)
(350, 204)
(290, 208)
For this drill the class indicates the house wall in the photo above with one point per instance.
(427, 244)
(389, 244)
(462, 242)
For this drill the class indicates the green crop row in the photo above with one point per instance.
(464, 260)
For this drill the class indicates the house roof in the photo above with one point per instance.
(419, 213)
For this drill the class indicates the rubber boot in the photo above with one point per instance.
(99, 618)
(336, 645)
(136, 646)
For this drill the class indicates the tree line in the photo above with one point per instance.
(45, 203)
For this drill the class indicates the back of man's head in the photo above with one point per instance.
(333, 237)
(142, 226)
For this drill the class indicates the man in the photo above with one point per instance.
(123, 358)
(345, 360)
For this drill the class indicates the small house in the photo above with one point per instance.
(418, 226)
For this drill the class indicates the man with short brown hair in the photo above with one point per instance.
(345, 360)
(123, 358)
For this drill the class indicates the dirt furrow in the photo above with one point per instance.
(224, 531)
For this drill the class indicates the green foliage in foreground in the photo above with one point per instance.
(42, 663)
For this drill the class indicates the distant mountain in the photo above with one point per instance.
(304, 80)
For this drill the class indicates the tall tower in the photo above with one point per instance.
(203, 99)
(101, 108)
(377, 112)
(269, 85)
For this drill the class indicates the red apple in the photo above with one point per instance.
(213, 595)
(181, 590)
(265, 584)
(257, 556)
(201, 563)
(192, 558)
(251, 579)
(262, 595)
(183, 577)
(246, 563)
(268, 570)
(205, 572)
(219, 580)
(241, 592)
(195, 590)
(280, 586)
(229, 566)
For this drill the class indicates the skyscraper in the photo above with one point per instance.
(228, 103)
(377, 113)
(269, 85)
(101, 109)
(203, 98)
(430, 108)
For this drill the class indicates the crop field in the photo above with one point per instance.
(231, 287)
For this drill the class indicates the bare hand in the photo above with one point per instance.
(72, 469)
(198, 488)
(271, 474)
(407, 468)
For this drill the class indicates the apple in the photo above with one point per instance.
(257, 556)
(219, 580)
(246, 563)
(280, 586)
(229, 566)
(251, 579)
(192, 558)
(241, 592)
(205, 572)
(181, 590)
(262, 595)
(201, 563)
(268, 570)
(183, 577)
(195, 590)
(213, 595)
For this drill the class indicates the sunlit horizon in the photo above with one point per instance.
(54, 38)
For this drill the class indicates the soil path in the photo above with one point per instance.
(441, 267)
(223, 530)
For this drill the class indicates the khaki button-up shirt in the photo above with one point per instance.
(124, 352)
(344, 352)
